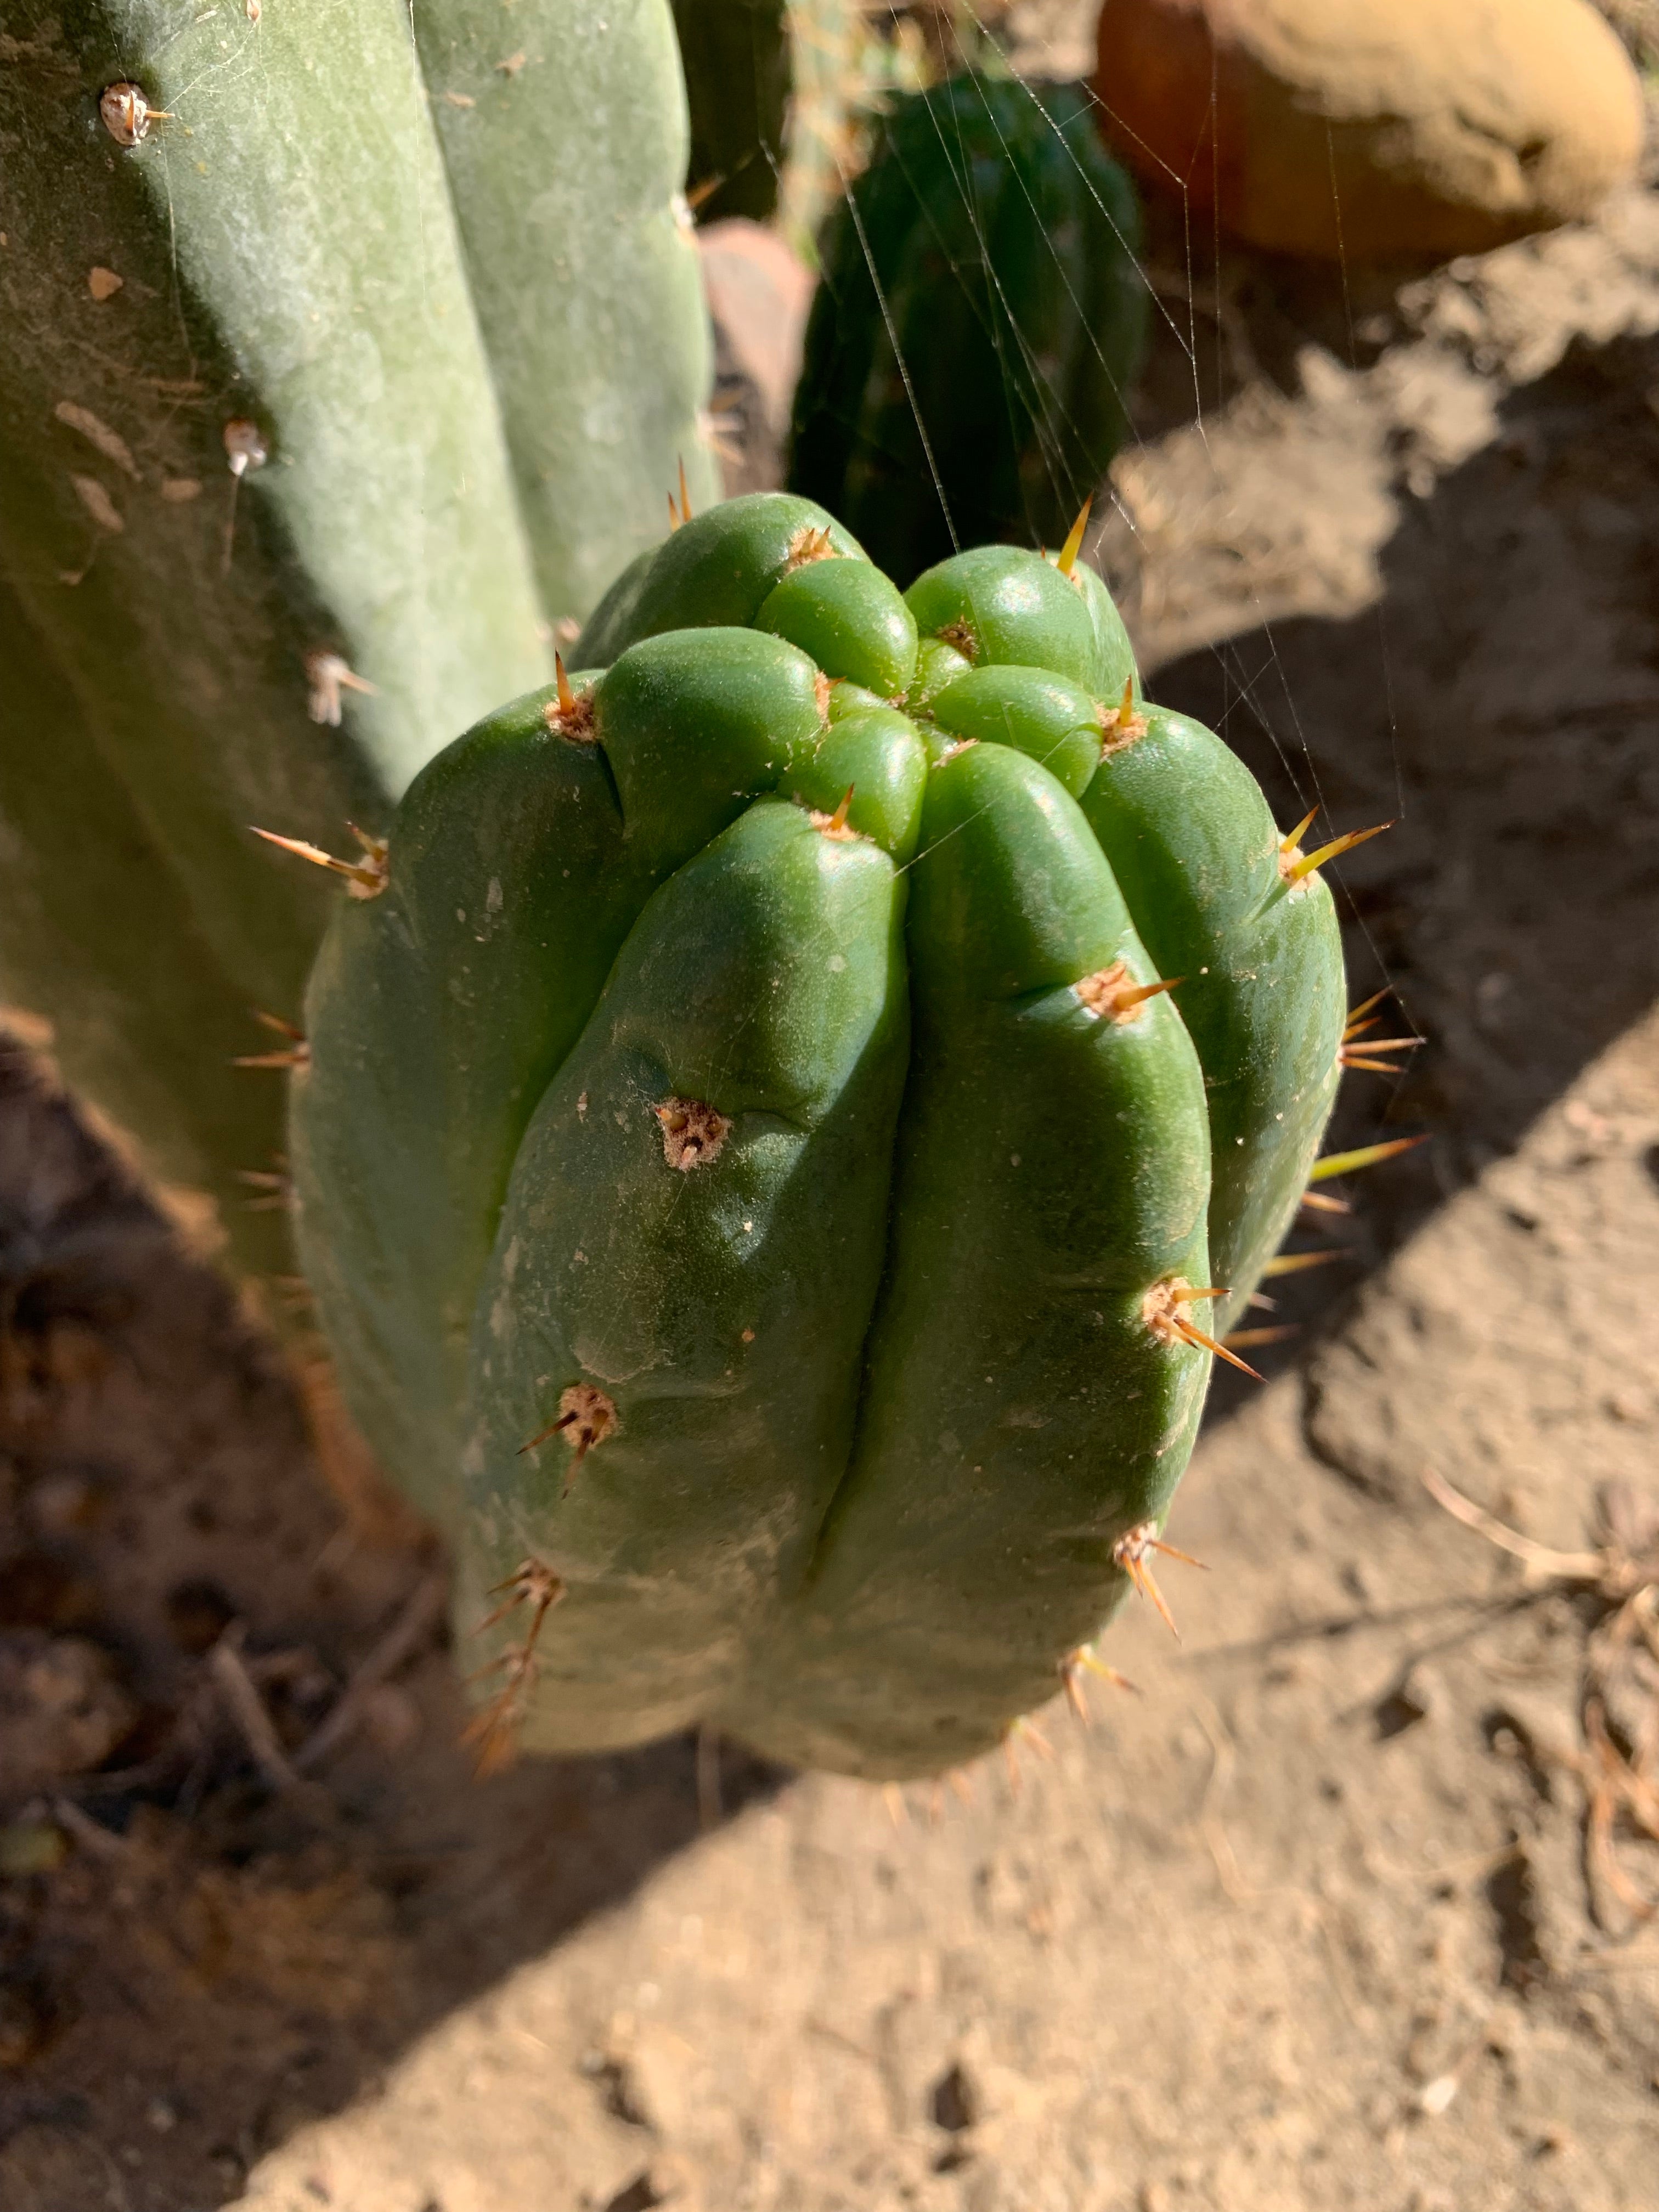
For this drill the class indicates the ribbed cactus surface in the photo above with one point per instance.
(344, 360)
(979, 320)
(786, 1124)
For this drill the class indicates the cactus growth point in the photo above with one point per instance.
(314, 422)
(978, 322)
(755, 1158)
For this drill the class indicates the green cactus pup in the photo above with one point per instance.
(315, 423)
(770, 1117)
(979, 318)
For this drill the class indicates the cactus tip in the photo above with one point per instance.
(1112, 994)
(532, 1582)
(245, 445)
(1297, 1263)
(1356, 1020)
(1074, 545)
(328, 674)
(1164, 1311)
(836, 825)
(1295, 866)
(585, 1419)
(809, 543)
(1364, 1155)
(1274, 1334)
(1121, 725)
(126, 113)
(570, 714)
(365, 879)
(1073, 1667)
(1022, 1729)
(1130, 1553)
(1354, 1054)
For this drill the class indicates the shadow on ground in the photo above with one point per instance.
(1500, 703)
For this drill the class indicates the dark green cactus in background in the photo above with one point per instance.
(979, 318)
(755, 1157)
(736, 56)
(341, 364)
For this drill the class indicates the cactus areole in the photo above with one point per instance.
(783, 1133)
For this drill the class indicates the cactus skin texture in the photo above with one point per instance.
(979, 285)
(471, 400)
(752, 1157)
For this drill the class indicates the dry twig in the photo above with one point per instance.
(1618, 1779)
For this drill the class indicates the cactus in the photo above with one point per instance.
(315, 418)
(784, 95)
(736, 57)
(979, 320)
(754, 1159)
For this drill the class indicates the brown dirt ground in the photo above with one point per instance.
(1319, 1918)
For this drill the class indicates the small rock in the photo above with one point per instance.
(758, 295)
(61, 1710)
(955, 2101)
(29, 1847)
(24, 2024)
(1447, 126)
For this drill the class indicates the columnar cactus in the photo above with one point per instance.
(342, 362)
(979, 320)
(788, 1118)
(736, 57)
